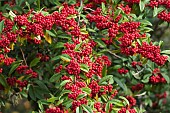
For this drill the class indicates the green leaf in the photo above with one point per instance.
(100, 43)
(116, 102)
(64, 36)
(84, 67)
(123, 98)
(138, 95)
(87, 108)
(59, 45)
(147, 29)
(42, 85)
(166, 77)
(106, 78)
(56, 58)
(40, 106)
(64, 82)
(86, 90)
(166, 52)
(142, 5)
(103, 7)
(52, 99)
(107, 107)
(145, 22)
(104, 71)
(55, 77)
(39, 92)
(116, 67)
(34, 62)
(155, 11)
(119, 83)
(1, 26)
(51, 33)
(65, 57)
(79, 110)
(31, 93)
(3, 81)
(14, 66)
(81, 96)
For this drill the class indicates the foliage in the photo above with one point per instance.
(83, 56)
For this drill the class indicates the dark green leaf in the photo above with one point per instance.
(119, 83)
(55, 77)
(100, 43)
(59, 45)
(34, 62)
(42, 85)
(14, 66)
(3, 81)
(31, 93)
(104, 71)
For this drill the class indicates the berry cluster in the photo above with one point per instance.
(23, 69)
(160, 96)
(157, 77)
(54, 110)
(164, 16)
(122, 71)
(137, 87)
(152, 52)
(132, 1)
(104, 22)
(157, 3)
(58, 69)
(124, 110)
(43, 58)
(134, 64)
(132, 101)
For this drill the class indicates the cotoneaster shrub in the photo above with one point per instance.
(91, 56)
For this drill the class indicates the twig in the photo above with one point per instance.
(23, 57)
(90, 9)
(114, 54)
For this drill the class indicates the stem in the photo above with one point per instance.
(23, 57)
(114, 54)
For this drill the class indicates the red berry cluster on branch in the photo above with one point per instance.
(157, 77)
(137, 87)
(152, 52)
(164, 16)
(124, 110)
(122, 71)
(132, 1)
(132, 101)
(54, 110)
